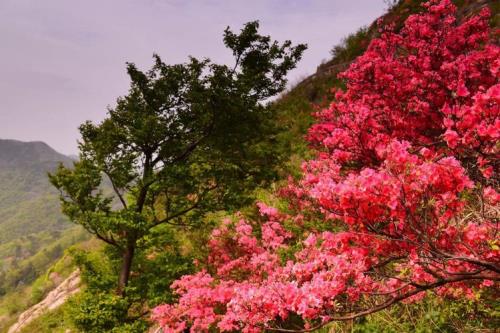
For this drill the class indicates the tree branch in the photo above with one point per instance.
(120, 196)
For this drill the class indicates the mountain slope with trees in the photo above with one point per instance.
(30, 216)
(33, 231)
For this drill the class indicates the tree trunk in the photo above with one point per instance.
(128, 256)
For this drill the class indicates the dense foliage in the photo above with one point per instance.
(400, 199)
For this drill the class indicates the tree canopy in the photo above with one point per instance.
(187, 139)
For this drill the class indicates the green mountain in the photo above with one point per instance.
(31, 224)
(28, 204)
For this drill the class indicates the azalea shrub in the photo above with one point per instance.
(400, 200)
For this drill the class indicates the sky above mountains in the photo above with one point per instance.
(63, 61)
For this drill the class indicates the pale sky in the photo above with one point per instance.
(63, 61)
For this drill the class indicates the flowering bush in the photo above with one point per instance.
(405, 178)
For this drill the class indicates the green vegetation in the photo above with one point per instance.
(430, 315)
(15, 301)
(33, 232)
(24, 271)
(30, 218)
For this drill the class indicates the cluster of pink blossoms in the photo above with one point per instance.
(405, 180)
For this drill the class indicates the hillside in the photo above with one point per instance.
(33, 232)
(314, 89)
(28, 203)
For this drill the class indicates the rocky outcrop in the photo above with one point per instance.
(53, 300)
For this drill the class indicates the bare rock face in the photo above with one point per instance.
(56, 278)
(54, 299)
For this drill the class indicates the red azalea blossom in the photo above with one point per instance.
(400, 154)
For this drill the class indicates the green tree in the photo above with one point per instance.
(187, 139)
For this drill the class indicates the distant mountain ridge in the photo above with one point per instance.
(23, 172)
(16, 153)
(28, 203)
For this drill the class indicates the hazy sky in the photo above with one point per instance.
(63, 61)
